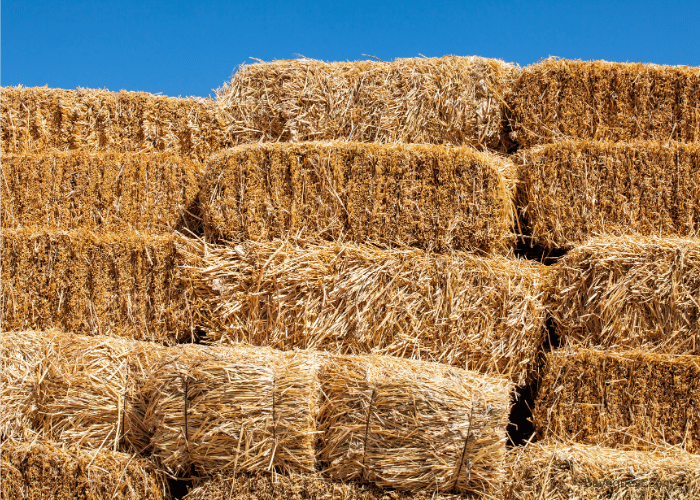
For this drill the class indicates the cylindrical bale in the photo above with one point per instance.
(99, 190)
(45, 470)
(599, 100)
(566, 470)
(126, 284)
(222, 409)
(412, 425)
(443, 198)
(446, 100)
(573, 190)
(630, 292)
(480, 313)
(622, 399)
(36, 119)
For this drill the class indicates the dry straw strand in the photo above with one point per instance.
(447, 100)
(416, 195)
(478, 313)
(561, 99)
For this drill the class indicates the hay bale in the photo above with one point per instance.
(296, 487)
(569, 471)
(36, 119)
(573, 190)
(125, 284)
(92, 391)
(623, 399)
(483, 314)
(44, 470)
(96, 190)
(412, 425)
(630, 292)
(446, 100)
(427, 196)
(234, 408)
(559, 99)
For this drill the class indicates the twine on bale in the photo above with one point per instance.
(464, 452)
(364, 447)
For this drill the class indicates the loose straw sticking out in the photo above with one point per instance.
(435, 197)
(412, 425)
(573, 190)
(294, 487)
(586, 472)
(49, 470)
(39, 119)
(93, 392)
(98, 190)
(559, 99)
(630, 292)
(123, 284)
(447, 100)
(235, 408)
(484, 314)
(627, 399)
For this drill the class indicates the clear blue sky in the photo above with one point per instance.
(189, 48)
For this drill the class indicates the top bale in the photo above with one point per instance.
(446, 100)
(559, 99)
(39, 118)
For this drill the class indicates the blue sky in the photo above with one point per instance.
(190, 48)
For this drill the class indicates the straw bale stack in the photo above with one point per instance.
(40, 118)
(630, 292)
(483, 314)
(412, 425)
(296, 487)
(447, 100)
(585, 472)
(599, 100)
(124, 284)
(626, 399)
(97, 190)
(573, 190)
(234, 408)
(47, 471)
(414, 195)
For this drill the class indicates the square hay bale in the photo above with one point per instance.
(446, 100)
(479, 313)
(92, 391)
(46, 471)
(98, 190)
(412, 425)
(573, 190)
(436, 197)
(234, 408)
(630, 292)
(38, 119)
(570, 471)
(263, 486)
(126, 284)
(625, 399)
(600, 100)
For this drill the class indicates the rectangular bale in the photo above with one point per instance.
(478, 313)
(433, 197)
(446, 100)
(98, 190)
(630, 292)
(626, 399)
(573, 190)
(37, 119)
(412, 425)
(46, 471)
(125, 284)
(570, 471)
(222, 409)
(599, 100)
